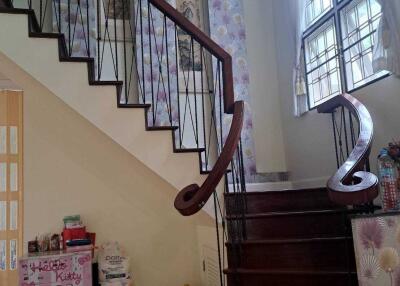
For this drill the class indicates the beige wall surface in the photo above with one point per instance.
(309, 139)
(264, 88)
(71, 167)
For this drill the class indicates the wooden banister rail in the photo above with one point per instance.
(350, 185)
(193, 197)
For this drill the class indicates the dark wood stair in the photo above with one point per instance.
(293, 237)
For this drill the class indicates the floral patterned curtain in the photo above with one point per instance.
(228, 30)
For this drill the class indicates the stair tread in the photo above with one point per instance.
(288, 213)
(77, 59)
(134, 105)
(161, 128)
(189, 150)
(285, 191)
(290, 240)
(284, 271)
(106, 82)
(45, 35)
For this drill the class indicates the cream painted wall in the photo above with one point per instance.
(71, 167)
(309, 140)
(264, 88)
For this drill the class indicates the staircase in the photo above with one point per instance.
(294, 237)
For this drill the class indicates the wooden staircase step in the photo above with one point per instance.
(315, 254)
(286, 225)
(287, 200)
(161, 128)
(257, 277)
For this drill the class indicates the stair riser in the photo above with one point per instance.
(296, 226)
(292, 280)
(284, 201)
(305, 256)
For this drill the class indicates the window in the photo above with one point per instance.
(338, 46)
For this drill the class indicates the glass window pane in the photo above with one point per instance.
(13, 254)
(3, 215)
(3, 255)
(321, 63)
(14, 140)
(3, 139)
(315, 9)
(13, 215)
(3, 177)
(359, 20)
(13, 177)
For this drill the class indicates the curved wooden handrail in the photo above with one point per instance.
(340, 185)
(193, 197)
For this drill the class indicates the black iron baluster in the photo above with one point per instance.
(168, 70)
(203, 110)
(353, 140)
(195, 132)
(98, 39)
(335, 139)
(59, 17)
(41, 15)
(142, 50)
(151, 62)
(69, 27)
(116, 40)
(177, 51)
(88, 27)
(220, 97)
(345, 131)
(124, 49)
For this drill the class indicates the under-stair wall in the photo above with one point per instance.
(72, 167)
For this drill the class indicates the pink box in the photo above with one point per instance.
(56, 269)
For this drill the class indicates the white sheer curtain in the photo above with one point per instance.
(299, 76)
(387, 41)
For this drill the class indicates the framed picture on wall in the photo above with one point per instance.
(116, 16)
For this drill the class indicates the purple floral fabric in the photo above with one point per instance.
(228, 30)
(377, 248)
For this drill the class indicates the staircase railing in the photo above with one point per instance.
(353, 183)
(160, 61)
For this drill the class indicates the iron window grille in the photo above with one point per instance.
(338, 45)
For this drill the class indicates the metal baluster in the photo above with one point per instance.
(195, 132)
(88, 27)
(177, 85)
(98, 39)
(116, 40)
(203, 111)
(345, 131)
(335, 139)
(168, 75)
(124, 49)
(142, 50)
(151, 63)
(69, 28)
